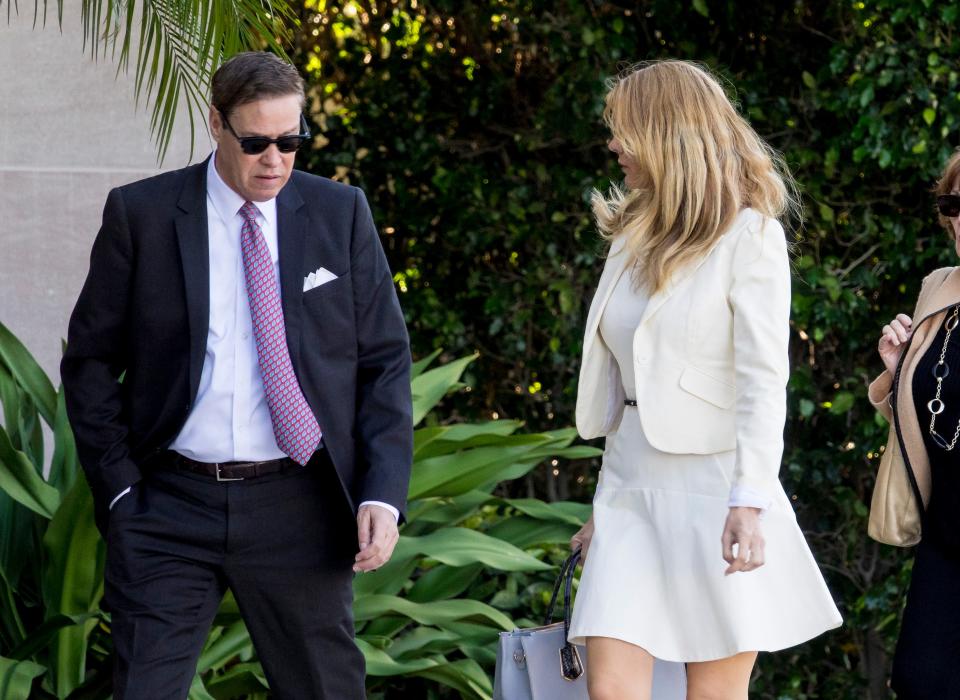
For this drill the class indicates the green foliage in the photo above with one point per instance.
(459, 570)
(476, 130)
(460, 573)
(51, 557)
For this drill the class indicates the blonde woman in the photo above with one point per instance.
(693, 552)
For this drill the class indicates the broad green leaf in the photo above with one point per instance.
(443, 582)
(460, 546)
(545, 511)
(73, 582)
(448, 511)
(19, 541)
(12, 401)
(431, 386)
(198, 691)
(229, 611)
(16, 677)
(425, 639)
(28, 374)
(384, 629)
(380, 663)
(472, 633)
(389, 578)
(433, 613)
(234, 640)
(12, 627)
(464, 675)
(454, 437)
(64, 464)
(42, 635)
(454, 474)
(443, 446)
(416, 369)
(20, 480)
(239, 681)
(523, 532)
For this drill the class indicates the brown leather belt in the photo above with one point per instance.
(229, 471)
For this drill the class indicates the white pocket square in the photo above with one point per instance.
(315, 279)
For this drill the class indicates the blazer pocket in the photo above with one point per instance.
(327, 290)
(708, 388)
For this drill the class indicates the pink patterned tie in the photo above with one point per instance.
(294, 424)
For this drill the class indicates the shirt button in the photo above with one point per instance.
(245, 336)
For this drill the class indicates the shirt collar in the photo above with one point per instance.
(228, 203)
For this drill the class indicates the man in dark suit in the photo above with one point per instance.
(237, 377)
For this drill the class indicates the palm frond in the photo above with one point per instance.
(175, 46)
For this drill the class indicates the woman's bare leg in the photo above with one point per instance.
(618, 670)
(723, 679)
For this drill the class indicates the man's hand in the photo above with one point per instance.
(378, 535)
(742, 529)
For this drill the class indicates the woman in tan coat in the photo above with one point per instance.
(919, 393)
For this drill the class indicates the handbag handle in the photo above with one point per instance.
(571, 666)
(565, 579)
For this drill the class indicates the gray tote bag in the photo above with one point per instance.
(539, 663)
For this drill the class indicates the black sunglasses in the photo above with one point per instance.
(254, 145)
(949, 205)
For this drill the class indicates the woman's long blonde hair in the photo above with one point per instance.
(698, 163)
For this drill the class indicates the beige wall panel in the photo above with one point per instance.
(69, 131)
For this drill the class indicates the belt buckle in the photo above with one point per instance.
(226, 478)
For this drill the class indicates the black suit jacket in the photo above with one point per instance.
(138, 333)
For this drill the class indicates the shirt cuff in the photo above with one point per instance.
(394, 511)
(746, 497)
(118, 497)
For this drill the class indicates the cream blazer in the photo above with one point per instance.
(709, 354)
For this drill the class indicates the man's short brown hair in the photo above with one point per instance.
(251, 76)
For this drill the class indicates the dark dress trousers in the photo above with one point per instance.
(283, 542)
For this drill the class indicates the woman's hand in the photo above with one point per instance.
(582, 539)
(742, 529)
(892, 339)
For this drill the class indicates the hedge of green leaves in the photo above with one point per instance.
(475, 129)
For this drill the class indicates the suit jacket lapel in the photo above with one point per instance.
(193, 240)
(291, 235)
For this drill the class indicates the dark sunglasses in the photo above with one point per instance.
(949, 205)
(254, 145)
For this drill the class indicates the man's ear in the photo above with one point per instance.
(215, 122)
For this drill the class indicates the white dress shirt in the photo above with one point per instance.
(230, 420)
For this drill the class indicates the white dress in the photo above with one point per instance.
(654, 575)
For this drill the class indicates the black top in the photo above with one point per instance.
(942, 520)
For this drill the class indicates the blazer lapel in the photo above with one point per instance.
(292, 224)
(193, 241)
(686, 272)
(946, 294)
(617, 259)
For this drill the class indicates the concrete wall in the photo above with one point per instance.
(69, 131)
